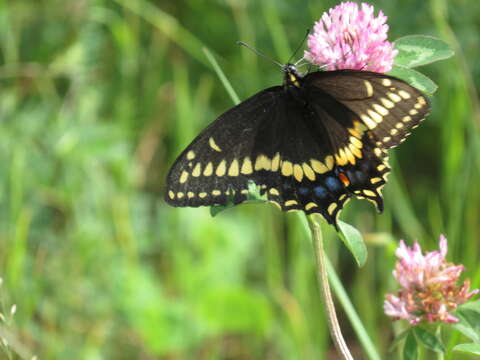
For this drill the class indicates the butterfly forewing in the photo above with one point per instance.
(387, 106)
(217, 165)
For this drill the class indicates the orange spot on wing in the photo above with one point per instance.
(344, 179)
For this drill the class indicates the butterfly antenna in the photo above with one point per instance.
(258, 53)
(299, 47)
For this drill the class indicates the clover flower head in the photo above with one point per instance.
(350, 36)
(429, 287)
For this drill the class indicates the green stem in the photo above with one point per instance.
(352, 315)
(438, 332)
(335, 330)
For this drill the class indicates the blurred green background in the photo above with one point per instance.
(98, 97)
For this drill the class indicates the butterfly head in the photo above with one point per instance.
(292, 77)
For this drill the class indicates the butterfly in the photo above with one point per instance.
(310, 144)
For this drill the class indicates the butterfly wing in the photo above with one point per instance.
(309, 149)
(364, 114)
(217, 165)
(387, 106)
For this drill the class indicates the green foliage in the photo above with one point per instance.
(97, 99)
(353, 240)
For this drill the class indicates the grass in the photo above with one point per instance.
(98, 98)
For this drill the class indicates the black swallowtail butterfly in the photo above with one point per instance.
(309, 145)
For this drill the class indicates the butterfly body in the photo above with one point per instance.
(310, 144)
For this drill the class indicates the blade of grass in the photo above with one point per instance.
(221, 75)
(168, 25)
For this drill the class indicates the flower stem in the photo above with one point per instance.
(333, 324)
(438, 332)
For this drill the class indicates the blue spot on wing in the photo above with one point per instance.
(320, 192)
(303, 190)
(333, 184)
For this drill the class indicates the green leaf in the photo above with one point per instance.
(472, 349)
(469, 324)
(253, 196)
(354, 242)
(471, 305)
(414, 78)
(428, 339)
(417, 50)
(398, 339)
(410, 349)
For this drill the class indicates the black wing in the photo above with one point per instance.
(387, 106)
(219, 162)
(307, 151)
(270, 139)
(365, 114)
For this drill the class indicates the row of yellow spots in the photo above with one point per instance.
(309, 206)
(202, 195)
(350, 152)
(263, 162)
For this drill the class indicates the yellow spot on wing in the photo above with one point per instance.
(406, 118)
(297, 172)
(190, 194)
(310, 205)
(318, 166)
(375, 116)
(394, 97)
(357, 143)
(183, 177)
(190, 155)
(263, 162)
(308, 171)
(233, 170)
(354, 133)
(202, 195)
(404, 94)
(216, 192)
(355, 151)
(386, 82)
(331, 208)
(291, 202)
(276, 162)
(208, 169)
(349, 156)
(287, 168)
(247, 166)
(274, 192)
(197, 170)
(221, 168)
(341, 158)
(329, 162)
(369, 193)
(368, 121)
(213, 144)
(171, 194)
(369, 87)
(380, 109)
(387, 103)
